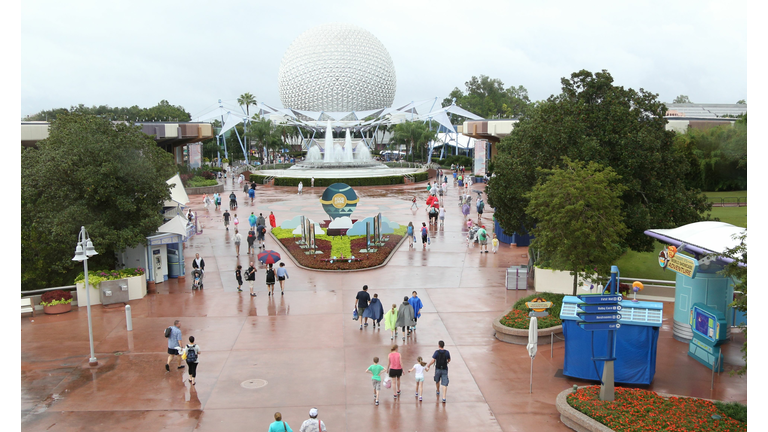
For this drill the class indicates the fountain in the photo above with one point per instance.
(348, 156)
(328, 157)
(314, 155)
(363, 154)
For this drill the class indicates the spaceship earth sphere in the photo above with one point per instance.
(336, 67)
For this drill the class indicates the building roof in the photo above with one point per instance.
(706, 111)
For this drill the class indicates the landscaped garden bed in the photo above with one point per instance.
(338, 252)
(512, 327)
(643, 410)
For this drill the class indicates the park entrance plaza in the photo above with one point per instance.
(290, 353)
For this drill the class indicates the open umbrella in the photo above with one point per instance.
(269, 257)
(533, 340)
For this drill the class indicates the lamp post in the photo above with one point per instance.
(83, 251)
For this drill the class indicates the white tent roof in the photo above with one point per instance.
(177, 225)
(178, 194)
(709, 235)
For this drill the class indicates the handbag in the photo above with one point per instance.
(354, 315)
(387, 381)
(184, 354)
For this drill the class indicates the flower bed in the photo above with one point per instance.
(337, 246)
(518, 316)
(643, 410)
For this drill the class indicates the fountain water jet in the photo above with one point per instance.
(348, 155)
(328, 156)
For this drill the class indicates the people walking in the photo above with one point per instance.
(252, 194)
(282, 275)
(260, 220)
(174, 344)
(236, 221)
(361, 303)
(413, 203)
(250, 276)
(313, 424)
(424, 235)
(232, 200)
(374, 311)
(251, 238)
(301, 187)
(270, 280)
(198, 262)
(390, 321)
(440, 359)
(239, 277)
(206, 201)
(419, 368)
(480, 207)
(494, 243)
(238, 240)
(260, 232)
(410, 234)
(279, 425)
(417, 305)
(441, 217)
(394, 369)
(252, 220)
(405, 317)
(226, 219)
(193, 354)
(482, 237)
(217, 200)
(375, 369)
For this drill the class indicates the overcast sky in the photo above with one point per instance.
(193, 53)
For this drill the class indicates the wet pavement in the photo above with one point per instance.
(307, 349)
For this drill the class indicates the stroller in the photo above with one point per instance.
(197, 274)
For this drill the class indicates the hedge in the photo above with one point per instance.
(324, 182)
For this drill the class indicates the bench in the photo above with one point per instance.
(27, 306)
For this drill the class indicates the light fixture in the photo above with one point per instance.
(84, 250)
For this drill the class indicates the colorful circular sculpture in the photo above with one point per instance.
(339, 200)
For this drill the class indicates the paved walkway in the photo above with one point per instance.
(308, 349)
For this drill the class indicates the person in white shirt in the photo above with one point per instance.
(419, 368)
(313, 424)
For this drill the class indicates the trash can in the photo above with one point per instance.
(517, 277)
(174, 268)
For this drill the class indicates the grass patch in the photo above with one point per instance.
(732, 215)
(729, 194)
(642, 410)
(644, 265)
(733, 410)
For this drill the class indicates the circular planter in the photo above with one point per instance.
(58, 309)
(520, 336)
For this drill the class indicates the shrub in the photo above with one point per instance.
(53, 298)
(518, 317)
(733, 410)
(201, 182)
(95, 277)
(224, 160)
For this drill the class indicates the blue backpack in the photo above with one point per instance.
(191, 354)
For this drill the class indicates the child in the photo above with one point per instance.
(495, 243)
(413, 203)
(419, 367)
(469, 223)
(424, 235)
(410, 234)
(239, 277)
(390, 320)
(374, 311)
(442, 217)
(376, 369)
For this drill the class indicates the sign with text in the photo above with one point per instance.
(599, 308)
(586, 317)
(599, 298)
(599, 326)
(684, 265)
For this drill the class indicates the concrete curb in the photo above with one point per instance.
(575, 419)
(520, 336)
(296, 263)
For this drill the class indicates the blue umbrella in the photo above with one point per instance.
(269, 257)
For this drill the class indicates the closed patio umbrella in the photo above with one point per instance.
(533, 340)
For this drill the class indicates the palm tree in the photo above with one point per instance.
(414, 134)
(247, 99)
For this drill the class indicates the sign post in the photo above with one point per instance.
(600, 312)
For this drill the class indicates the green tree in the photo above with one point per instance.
(110, 178)
(163, 111)
(720, 155)
(578, 209)
(488, 98)
(741, 102)
(247, 99)
(737, 270)
(593, 120)
(416, 135)
(266, 135)
(682, 99)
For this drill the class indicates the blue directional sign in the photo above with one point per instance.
(599, 326)
(598, 308)
(601, 318)
(599, 299)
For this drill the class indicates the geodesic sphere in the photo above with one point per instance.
(336, 68)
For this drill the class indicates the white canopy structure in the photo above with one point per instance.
(178, 194)
(177, 225)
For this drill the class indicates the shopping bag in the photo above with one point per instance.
(387, 381)
(354, 315)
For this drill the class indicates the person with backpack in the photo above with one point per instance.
(480, 208)
(192, 354)
(411, 235)
(424, 235)
(173, 334)
(482, 237)
(261, 230)
(270, 281)
(232, 200)
(260, 220)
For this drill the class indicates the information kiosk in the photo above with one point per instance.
(709, 327)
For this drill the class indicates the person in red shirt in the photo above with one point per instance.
(395, 369)
(272, 220)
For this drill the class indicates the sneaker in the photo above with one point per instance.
(438, 392)
(391, 338)
(443, 400)
(417, 394)
(361, 326)
(282, 293)
(419, 398)
(181, 367)
(239, 290)
(366, 324)
(377, 402)
(395, 396)
(269, 294)
(403, 338)
(167, 368)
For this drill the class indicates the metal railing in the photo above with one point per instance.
(729, 202)
(44, 290)
(653, 289)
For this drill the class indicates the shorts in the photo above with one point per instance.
(251, 283)
(269, 284)
(239, 281)
(360, 311)
(423, 239)
(395, 373)
(376, 384)
(173, 351)
(441, 375)
(483, 242)
(226, 223)
(479, 212)
(281, 278)
(420, 379)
